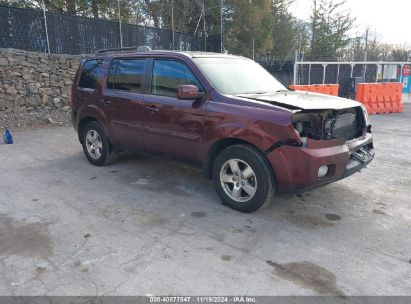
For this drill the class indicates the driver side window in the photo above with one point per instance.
(168, 75)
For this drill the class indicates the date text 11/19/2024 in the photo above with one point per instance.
(201, 299)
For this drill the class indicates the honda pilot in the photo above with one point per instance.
(222, 113)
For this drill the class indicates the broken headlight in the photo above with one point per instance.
(308, 125)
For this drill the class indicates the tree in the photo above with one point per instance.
(107, 9)
(354, 50)
(288, 33)
(247, 21)
(18, 3)
(401, 53)
(376, 50)
(61, 6)
(329, 27)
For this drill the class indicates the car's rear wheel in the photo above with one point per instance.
(243, 179)
(96, 145)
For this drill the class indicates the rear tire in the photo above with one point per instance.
(243, 178)
(96, 146)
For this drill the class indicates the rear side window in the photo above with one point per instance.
(168, 75)
(126, 75)
(91, 71)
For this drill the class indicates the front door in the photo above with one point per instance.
(122, 101)
(172, 127)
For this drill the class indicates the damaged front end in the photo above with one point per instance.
(334, 143)
(346, 124)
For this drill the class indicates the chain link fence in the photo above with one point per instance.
(347, 74)
(282, 70)
(32, 30)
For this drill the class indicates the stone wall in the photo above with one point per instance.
(32, 81)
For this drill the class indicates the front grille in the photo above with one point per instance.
(330, 124)
(348, 124)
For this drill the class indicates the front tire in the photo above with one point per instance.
(243, 178)
(96, 146)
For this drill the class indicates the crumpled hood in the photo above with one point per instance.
(304, 100)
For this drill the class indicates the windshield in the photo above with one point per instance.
(236, 76)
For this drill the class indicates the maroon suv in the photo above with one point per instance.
(223, 113)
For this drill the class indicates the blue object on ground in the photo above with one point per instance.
(7, 137)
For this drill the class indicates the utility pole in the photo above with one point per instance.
(204, 28)
(366, 52)
(253, 50)
(119, 23)
(221, 27)
(45, 26)
(172, 21)
(251, 3)
(314, 26)
(366, 44)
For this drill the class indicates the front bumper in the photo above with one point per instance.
(296, 168)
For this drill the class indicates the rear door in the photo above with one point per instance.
(172, 127)
(122, 101)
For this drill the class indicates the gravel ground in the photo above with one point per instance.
(26, 119)
(143, 226)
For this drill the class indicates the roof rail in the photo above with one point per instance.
(143, 48)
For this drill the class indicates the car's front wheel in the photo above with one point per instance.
(96, 146)
(242, 178)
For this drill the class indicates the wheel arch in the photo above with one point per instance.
(221, 144)
(83, 122)
(89, 118)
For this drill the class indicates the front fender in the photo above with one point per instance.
(252, 132)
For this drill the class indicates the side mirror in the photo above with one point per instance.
(188, 92)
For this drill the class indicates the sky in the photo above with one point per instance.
(390, 19)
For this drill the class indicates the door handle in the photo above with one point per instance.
(152, 109)
(105, 101)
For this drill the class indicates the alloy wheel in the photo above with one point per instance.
(238, 180)
(94, 144)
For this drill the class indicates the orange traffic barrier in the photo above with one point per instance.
(383, 97)
(328, 89)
